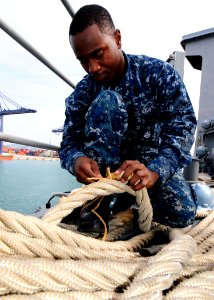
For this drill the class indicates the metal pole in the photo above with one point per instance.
(33, 51)
(68, 7)
(22, 141)
(1, 130)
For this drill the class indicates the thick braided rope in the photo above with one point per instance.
(149, 282)
(31, 276)
(154, 274)
(103, 187)
(150, 276)
(196, 281)
(145, 210)
(200, 286)
(34, 237)
(194, 231)
(158, 273)
(74, 295)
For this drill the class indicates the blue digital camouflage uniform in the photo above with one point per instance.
(147, 116)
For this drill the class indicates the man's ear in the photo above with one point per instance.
(117, 36)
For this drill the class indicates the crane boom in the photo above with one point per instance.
(5, 110)
(22, 110)
(5, 102)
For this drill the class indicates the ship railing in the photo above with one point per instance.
(21, 41)
(27, 142)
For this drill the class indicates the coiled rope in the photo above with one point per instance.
(44, 261)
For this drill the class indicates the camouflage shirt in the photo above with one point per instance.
(161, 123)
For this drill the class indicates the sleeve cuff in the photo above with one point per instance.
(72, 163)
(162, 167)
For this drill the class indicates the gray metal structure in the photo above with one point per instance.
(199, 50)
(176, 59)
(68, 8)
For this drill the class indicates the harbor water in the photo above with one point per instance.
(27, 184)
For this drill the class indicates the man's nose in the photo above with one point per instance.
(94, 66)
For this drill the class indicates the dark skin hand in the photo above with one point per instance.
(86, 168)
(137, 175)
(133, 172)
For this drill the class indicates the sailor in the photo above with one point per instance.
(131, 113)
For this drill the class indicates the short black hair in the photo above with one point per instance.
(88, 15)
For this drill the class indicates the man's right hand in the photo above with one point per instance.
(86, 168)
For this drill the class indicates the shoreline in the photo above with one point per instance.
(31, 157)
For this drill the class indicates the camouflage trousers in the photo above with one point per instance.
(174, 201)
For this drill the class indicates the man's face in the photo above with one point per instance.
(99, 53)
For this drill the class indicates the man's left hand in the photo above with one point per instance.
(137, 175)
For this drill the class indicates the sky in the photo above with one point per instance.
(151, 27)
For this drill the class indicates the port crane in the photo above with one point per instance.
(57, 130)
(9, 107)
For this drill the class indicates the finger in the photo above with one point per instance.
(133, 172)
(138, 175)
(84, 176)
(125, 165)
(146, 182)
(81, 179)
(95, 169)
(138, 186)
(141, 183)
